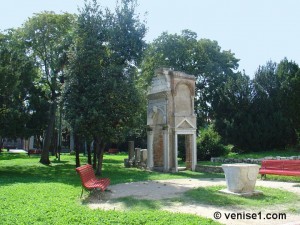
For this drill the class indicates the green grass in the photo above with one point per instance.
(32, 193)
(212, 196)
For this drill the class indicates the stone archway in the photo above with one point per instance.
(171, 113)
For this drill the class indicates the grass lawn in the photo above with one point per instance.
(270, 197)
(32, 193)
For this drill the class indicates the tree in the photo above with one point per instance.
(289, 76)
(17, 88)
(260, 114)
(48, 37)
(101, 96)
(232, 110)
(253, 114)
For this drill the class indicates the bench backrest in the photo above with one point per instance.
(86, 173)
(272, 164)
(291, 165)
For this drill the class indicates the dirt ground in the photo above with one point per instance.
(165, 189)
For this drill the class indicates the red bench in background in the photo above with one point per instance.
(280, 167)
(113, 151)
(89, 181)
(34, 152)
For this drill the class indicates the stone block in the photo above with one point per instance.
(240, 177)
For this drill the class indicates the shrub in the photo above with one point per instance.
(209, 144)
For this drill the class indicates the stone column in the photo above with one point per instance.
(130, 150)
(194, 151)
(144, 156)
(31, 140)
(188, 151)
(166, 150)
(150, 149)
(175, 170)
(137, 153)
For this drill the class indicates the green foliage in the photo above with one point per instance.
(34, 193)
(19, 97)
(270, 197)
(101, 98)
(260, 114)
(209, 144)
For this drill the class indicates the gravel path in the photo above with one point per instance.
(164, 189)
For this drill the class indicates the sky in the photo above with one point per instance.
(256, 31)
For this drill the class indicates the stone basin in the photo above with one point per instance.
(241, 178)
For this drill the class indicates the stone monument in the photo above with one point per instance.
(241, 179)
(170, 113)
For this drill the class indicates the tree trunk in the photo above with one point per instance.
(100, 146)
(77, 148)
(1, 144)
(48, 136)
(89, 154)
(94, 155)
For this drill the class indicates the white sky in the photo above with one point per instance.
(255, 30)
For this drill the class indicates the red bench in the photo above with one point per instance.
(89, 181)
(34, 151)
(113, 151)
(280, 167)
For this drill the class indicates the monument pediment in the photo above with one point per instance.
(185, 124)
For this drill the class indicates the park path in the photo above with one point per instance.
(164, 189)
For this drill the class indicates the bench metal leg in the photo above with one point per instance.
(264, 175)
(81, 192)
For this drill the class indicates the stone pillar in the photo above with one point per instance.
(144, 156)
(194, 152)
(137, 155)
(150, 149)
(31, 141)
(175, 170)
(166, 150)
(130, 150)
(188, 151)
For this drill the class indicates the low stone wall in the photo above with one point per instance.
(209, 169)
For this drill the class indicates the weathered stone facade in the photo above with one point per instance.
(170, 113)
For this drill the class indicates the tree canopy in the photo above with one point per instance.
(19, 104)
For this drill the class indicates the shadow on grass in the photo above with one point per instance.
(139, 204)
(62, 173)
